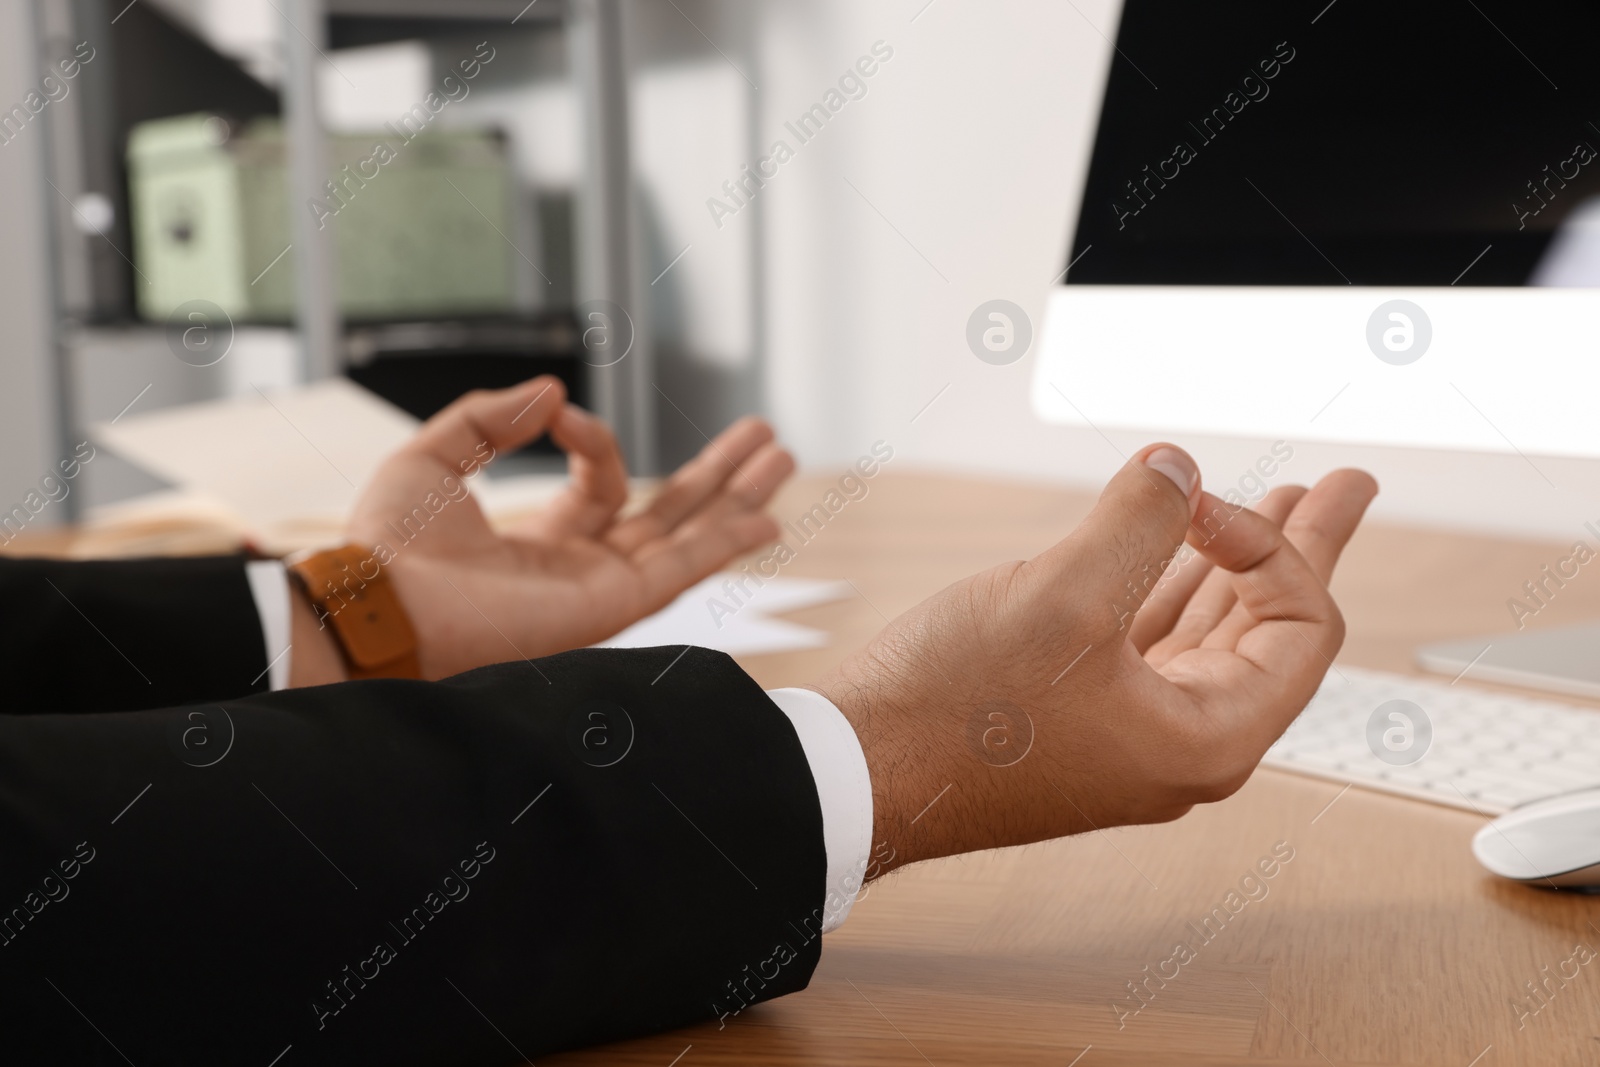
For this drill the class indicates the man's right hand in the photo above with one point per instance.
(1078, 690)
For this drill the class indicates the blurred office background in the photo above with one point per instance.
(834, 300)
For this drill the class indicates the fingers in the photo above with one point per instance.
(761, 476)
(1278, 505)
(1119, 552)
(1294, 628)
(597, 477)
(725, 467)
(483, 423)
(1253, 692)
(1174, 625)
(1269, 570)
(1324, 521)
(1320, 526)
(698, 549)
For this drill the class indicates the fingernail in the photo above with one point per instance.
(1176, 465)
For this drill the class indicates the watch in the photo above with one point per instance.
(350, 592)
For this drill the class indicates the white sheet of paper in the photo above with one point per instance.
(691, 620)
(273, 457)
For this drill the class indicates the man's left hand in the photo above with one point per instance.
(575, 572)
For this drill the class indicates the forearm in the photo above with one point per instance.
(373, 864)
(932, 794)
(952, 773)
(117, 635)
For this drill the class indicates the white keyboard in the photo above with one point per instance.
(1488, 751)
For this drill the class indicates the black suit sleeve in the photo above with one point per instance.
(115, 635)
(528, 857)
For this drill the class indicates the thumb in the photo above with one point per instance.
(1118, 553)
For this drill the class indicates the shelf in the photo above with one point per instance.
(355, 23)
(472, 10)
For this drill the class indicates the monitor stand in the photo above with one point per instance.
(1563, 660)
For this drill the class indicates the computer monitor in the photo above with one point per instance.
(1365, 221)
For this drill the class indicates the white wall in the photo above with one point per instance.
(972, 143)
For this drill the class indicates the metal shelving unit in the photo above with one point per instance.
(605, 226)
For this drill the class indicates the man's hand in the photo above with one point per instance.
(571, 575)
(1079, 690)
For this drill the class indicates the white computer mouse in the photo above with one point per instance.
(1554, 841)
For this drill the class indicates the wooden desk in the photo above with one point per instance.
(1380, 943)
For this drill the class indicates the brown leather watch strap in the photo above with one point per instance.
(349, 590)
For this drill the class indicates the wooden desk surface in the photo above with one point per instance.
(1380, 943)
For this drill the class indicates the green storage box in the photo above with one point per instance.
(417, 223)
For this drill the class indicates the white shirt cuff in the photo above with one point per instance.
(269, 585)
(844, 789)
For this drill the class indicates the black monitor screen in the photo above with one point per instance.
(1363, 142)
